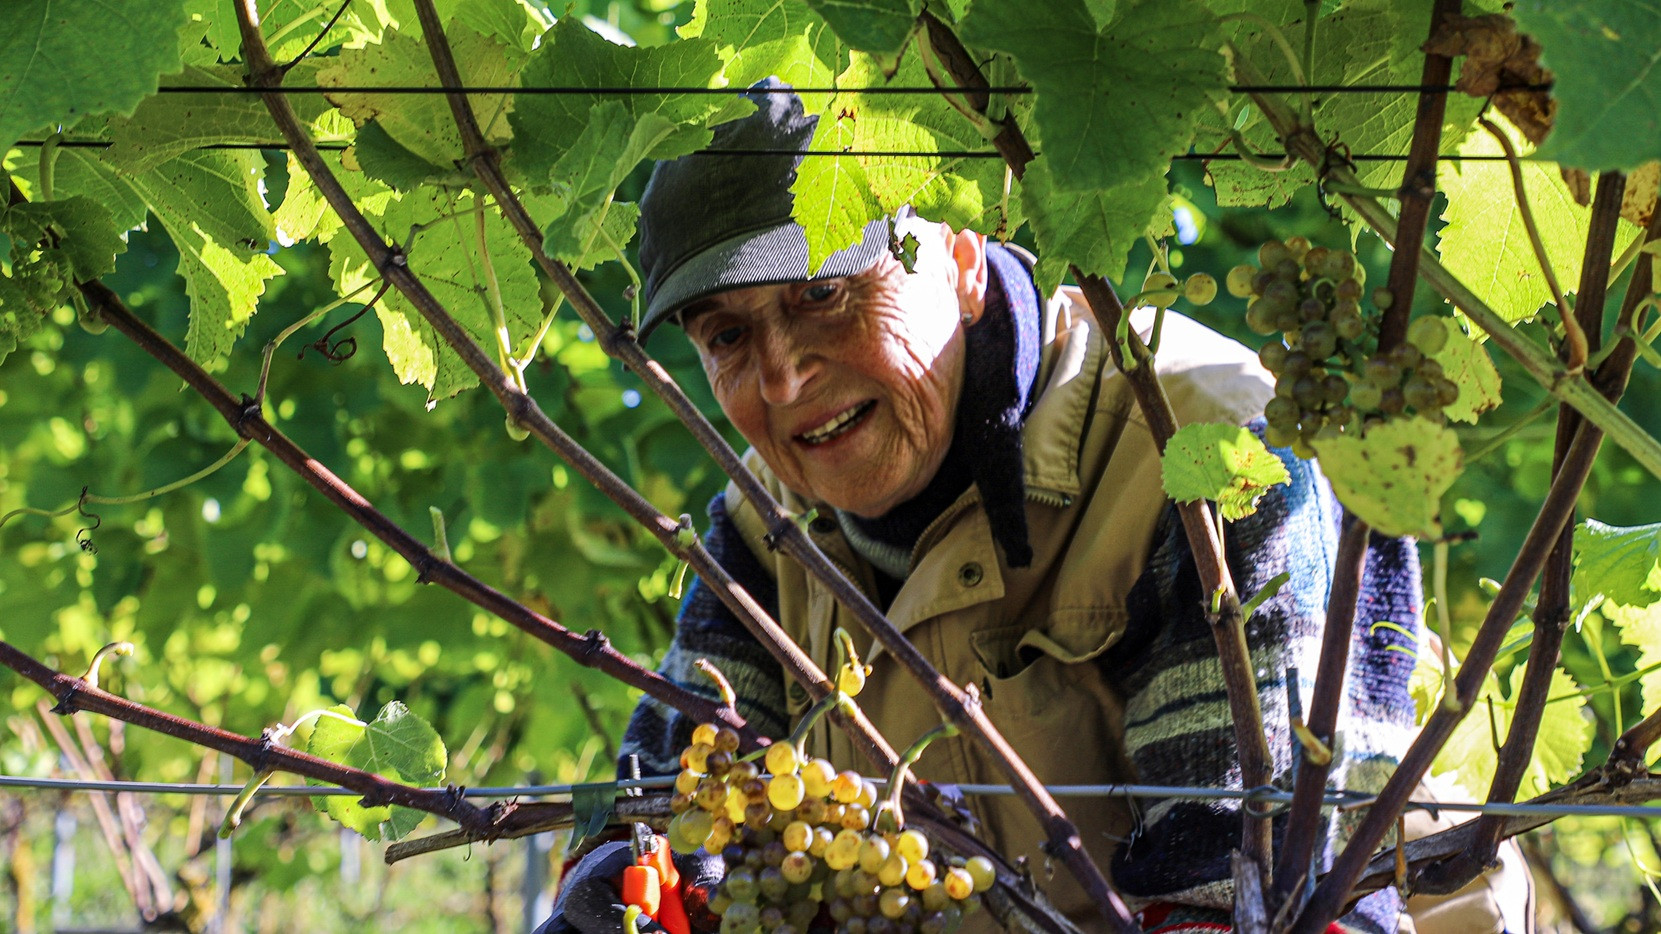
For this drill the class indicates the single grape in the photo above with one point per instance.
(1320, 339)
(1406, 356)
(1311, 310)
(742, 772)
(959, 884)
(934, 897)
(982, 871)
(1297, 246)
(833, 814)
(1287, 319)
(741, 917)
(846, 787)
(757, 814)
(726, 739)
(797, 836)
(686, 782)
(850, 680)
(773, 853)
(844, 850)
(1348, 290)
(1297, 364)
(719, 763)
(1200, 289)
(1381, 373)
(771, 917)
(812, 809)
(720, 902)
(1287, 269)
(1447, 391)
(737, 803)
(1260, 317)
(1159, 290)
(1315, 260)
(679, 803)
(817, 775)
(1272, 356)
(1282, 294)
(1239, 280)
(1307, 392)
(696, 825)
(785, 792)
(1421, 394)
(1281, 413)
(742, 884)
(704, 733)
(1261, 279)
(1271, 253)
(893, 870)
(797, 867)
(1430, 335)
(1278, 436)
(754, 789)
(854, 925)
(1302, 449)
(1393, 402)
(712, 794)
(1335, 388)
(921, 874)
(893, 903)
(1366, 396)
(867, 794)
(1349, 326)
(840, 909)
(912, 844)
(864, 883)
(873, 853)
(1383, 299)
(933, 923)
(855, 817)
(773, 884)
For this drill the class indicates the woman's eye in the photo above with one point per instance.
(724, 337)
(820, 292)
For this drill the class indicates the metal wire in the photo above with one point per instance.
(856, 153)
(1265, 795)
(625, 91)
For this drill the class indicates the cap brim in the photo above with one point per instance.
(777, 254)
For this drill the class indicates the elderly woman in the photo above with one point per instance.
(980, 469)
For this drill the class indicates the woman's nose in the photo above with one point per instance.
(786, 368)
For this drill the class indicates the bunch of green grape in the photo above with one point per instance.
(1329, 377)
(801, 849)
(44, 278)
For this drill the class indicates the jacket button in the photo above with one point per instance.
(970, 574)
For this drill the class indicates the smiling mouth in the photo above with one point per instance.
(838, 426)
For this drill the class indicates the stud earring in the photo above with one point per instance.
(968, 318)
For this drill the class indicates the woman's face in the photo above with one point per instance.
(848, 387)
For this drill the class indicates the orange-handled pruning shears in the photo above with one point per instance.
(653, 884)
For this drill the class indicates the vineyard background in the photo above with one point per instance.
(208, 581)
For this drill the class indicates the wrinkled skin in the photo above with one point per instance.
(786, 361)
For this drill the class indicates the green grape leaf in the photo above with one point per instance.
(1394, 477)
(611, 145)
(1565, 736)
(836, 196)
(423, 123)
(84, 172)
(1467, 363)
(572, 55)
(1225, 464)
(1620, 564)
(879, 26)
(785, 38)
(210, 205)
(1485, 243)
(338, 741)
(1094, 83)
(63, 59)
(446, 251)
(1607, 79)
(379, 156)
(1093, 229)
(167, 125)
(403, 744)
(79, 229)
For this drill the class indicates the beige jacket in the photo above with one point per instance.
(1023, 636)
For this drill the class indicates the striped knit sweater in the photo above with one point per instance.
(1178, 731)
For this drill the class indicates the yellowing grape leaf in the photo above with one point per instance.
(1226, 464)
(1467, 363)
(1485, 243)
(1394, 477)
(1565, 736)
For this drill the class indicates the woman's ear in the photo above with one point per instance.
(968, 251)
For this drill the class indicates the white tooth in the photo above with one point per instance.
(829, 428)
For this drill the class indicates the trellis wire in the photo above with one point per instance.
(626, 91)
(1345, 799)
(856, 153)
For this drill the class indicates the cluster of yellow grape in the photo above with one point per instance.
(801, 847)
